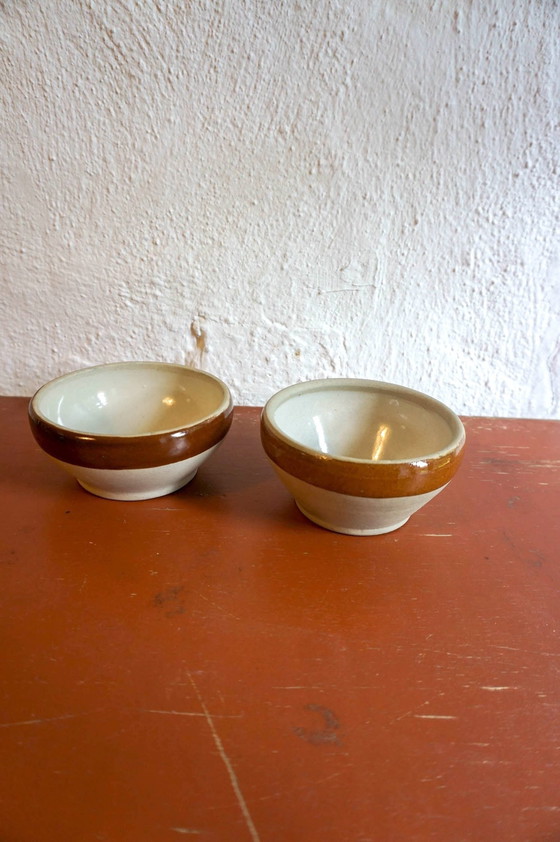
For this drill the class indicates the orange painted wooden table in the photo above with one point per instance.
(212, 665)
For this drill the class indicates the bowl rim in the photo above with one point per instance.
(355, 476)
(75, 373)
(362, 384)
(141, 450)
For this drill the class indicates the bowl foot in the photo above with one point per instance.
(139, 494)
(333, 527)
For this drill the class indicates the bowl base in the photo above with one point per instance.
(142, 494)
(343, 530)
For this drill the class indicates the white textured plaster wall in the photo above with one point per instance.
(276, 191)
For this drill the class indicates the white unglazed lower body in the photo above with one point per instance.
(353, 515)
(137, 483)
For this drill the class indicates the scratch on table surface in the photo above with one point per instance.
(218, 607)
(494, 689)
(545, 808)
(305, 786)
(526, 651)
(490, 762)
(227, 763)
(437, 535)
(191, 830)
(459, 655)
(48, 719)
(322, 688)
(507, 447)
(512, 463)
(193, 713)
(432, 716)
(418, 707)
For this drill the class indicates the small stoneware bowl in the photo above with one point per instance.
(360, 456)
(131, 430)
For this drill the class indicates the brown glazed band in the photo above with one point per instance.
(361, 479)
(122, 452)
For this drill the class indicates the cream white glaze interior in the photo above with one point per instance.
(364, 420)
(131, 399)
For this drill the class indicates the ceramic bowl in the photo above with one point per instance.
(131, 430)
(360, 456)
